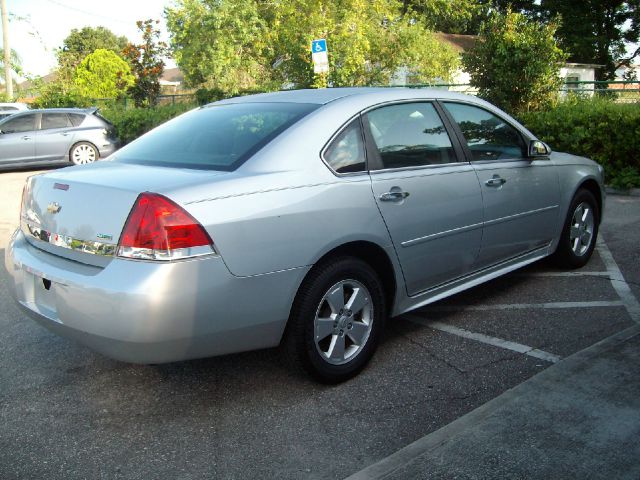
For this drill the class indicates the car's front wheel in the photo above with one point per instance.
(83, 152)
(336, 320)
(580, 231)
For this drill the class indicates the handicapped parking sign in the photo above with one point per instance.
(318, 46)
(320, 56)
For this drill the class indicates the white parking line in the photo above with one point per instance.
(618, 282)
(486, 339)
(525, 306)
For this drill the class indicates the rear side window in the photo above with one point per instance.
(23, 123)
(345, 154)
(54, 120)
(410, 135)
(219, 137)
(76, 119)
(488, 136)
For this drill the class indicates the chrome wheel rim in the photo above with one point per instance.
(83, 154)
(582, 227)
(343, 322)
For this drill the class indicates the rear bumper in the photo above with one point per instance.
(108, 149)
(146, 312)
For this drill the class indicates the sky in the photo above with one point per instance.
(38, 27)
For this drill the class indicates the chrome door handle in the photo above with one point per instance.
(495, 181)
(393, 196)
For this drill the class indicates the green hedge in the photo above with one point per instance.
(133, 122)
(602, 130)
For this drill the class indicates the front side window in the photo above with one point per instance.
(345, 154)
(217, 137)
(410, 135)
(23, 123)
(54, 120)
(488, 136)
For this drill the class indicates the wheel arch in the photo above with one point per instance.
(593, 187)
(371, 253)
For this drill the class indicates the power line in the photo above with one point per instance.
(55, 2)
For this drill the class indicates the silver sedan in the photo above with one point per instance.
(300, 218)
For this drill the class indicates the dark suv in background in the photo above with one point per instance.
(58, 135)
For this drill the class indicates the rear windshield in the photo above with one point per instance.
(218, 137)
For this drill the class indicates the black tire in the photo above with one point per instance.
(86, 153)
(566, 255)
(299, 343)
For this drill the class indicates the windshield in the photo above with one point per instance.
(217, 137)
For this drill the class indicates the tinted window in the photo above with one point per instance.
(410, 134)
(218, 137)
(488, 136)
(6, 109)
(23, 123)
(54, 120)
(76, 119)
(346, 152)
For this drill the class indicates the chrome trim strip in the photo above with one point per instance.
(453, 231)
(65, 241)
(518, 215)
(433, 236)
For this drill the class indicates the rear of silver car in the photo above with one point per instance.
(70, 276)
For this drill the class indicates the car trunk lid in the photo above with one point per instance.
(79, 213)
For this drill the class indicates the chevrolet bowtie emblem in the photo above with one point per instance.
(54, 207)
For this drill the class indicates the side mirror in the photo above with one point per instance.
(538, 149)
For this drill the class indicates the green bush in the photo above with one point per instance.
(602, 130)
(133, 122)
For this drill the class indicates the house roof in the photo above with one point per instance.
(460, 43)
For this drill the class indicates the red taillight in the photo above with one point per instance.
(159, 229)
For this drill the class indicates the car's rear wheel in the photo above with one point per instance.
(83, 152)
(336, 320)
(580, 231)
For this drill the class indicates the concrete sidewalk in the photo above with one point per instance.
(578, 419)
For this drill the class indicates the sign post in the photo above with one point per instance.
(319, 56)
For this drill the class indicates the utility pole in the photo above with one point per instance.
(7, 50)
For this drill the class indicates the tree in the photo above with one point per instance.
(80, 43)
(449, 16)
(147, 64)
(248, 44)
(219, 44)
(516, 62)
(595, 31)
(16, 65)
(103, 74)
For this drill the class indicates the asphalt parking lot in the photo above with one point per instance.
(66, 412)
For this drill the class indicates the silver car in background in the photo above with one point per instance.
(7, 109)
(301, 218)
(55, 135)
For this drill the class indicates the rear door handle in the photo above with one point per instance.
(495, 181)
(26, 137)
(393, 196)
(64, 134)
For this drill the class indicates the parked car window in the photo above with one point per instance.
(345, 154)
(76, 119)
(218, 137)
(410, 134)
(488, 136)
(23, 123)
(54, 120)
(7, 109)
